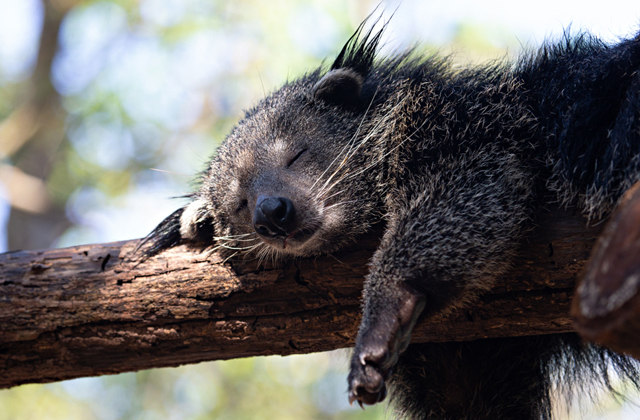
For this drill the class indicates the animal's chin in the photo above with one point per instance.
(296, 243)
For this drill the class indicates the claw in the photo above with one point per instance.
(361, 406)
(363, 360)
(352, 398)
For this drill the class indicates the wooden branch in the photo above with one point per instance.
(606, 307)
(84, 311)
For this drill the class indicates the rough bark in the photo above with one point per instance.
(87, 310)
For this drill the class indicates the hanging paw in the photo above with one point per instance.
(380, 341)
(370, 369)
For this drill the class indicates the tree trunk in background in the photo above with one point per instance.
(40, 221)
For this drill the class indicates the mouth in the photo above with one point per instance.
(299, 236)
(291, 241)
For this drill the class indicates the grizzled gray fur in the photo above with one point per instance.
(456, 164)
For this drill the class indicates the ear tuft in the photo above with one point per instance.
(359, 53)
(339, 87)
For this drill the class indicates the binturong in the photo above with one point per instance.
(455, 163)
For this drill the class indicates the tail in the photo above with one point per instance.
(501, 378)
(191, 223)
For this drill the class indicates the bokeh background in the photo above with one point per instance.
(109, 108)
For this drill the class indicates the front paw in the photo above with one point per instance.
(368, 375)
(385, 333)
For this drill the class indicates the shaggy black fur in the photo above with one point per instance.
(456, 163)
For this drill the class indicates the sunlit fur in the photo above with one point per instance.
(456, 164)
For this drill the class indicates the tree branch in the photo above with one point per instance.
(87, 310)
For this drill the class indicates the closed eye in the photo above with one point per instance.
(242, 206)
(296, 157)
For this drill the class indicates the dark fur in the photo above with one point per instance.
(456, 163)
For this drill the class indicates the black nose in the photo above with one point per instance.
(273, 216)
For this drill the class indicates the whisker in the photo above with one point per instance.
(222, 238)
(342, 203)
(381, 158)
(225, 246)
(334, 194)
(229, 257)
(372, 133)
(262, 253)
(238, 240)
(169, 172)
(352, 140)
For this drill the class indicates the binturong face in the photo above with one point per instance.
(302, 173)
(289, 180)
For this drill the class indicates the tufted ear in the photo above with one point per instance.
(339, 87)
(359, 52)
(343, 83)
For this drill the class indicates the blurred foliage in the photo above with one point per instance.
(294, 387)
(157, 84)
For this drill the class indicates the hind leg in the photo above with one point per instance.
(491, 379)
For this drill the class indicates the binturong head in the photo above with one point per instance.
(300, 174)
